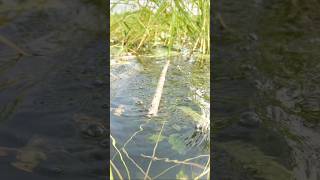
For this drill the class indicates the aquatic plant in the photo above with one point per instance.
(175, 24)
(255, 162)
(121, 152)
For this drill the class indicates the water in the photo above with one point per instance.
(266, 91)
(134, 92)
(44, 96)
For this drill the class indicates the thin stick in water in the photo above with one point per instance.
(12, 45)
(153, 110)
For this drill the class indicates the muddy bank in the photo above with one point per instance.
(53, 118)
(266, 105)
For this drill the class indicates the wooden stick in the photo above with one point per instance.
(12, 45)
(153, 110)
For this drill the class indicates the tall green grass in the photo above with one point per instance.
(166, 23)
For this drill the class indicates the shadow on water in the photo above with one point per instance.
(53, 101)
(266, 90)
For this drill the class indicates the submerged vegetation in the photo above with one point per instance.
(153, 30)
(171, 144)
(255, 162)
(126, 159)
(176, 24)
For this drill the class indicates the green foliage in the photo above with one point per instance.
(181, 175)
(177, 143)
(154, 137)
(171, 24)
(191, 113)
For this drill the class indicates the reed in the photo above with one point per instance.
(175, 24)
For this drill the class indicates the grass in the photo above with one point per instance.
(171, 24)
(121, 152)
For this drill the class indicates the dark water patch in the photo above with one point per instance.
(277, 62)
(45, 97)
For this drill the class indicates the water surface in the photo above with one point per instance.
(266, 91)
(132, 90)
(45, 95)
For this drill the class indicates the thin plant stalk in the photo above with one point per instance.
(154, 152)
(122, 160)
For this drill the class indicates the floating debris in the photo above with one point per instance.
(119, 110)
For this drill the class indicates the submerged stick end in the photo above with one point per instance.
(152, 115)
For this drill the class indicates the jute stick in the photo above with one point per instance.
(153, 110)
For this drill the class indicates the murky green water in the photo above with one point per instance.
(266, 91)
(45, 96)
(179, 140)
